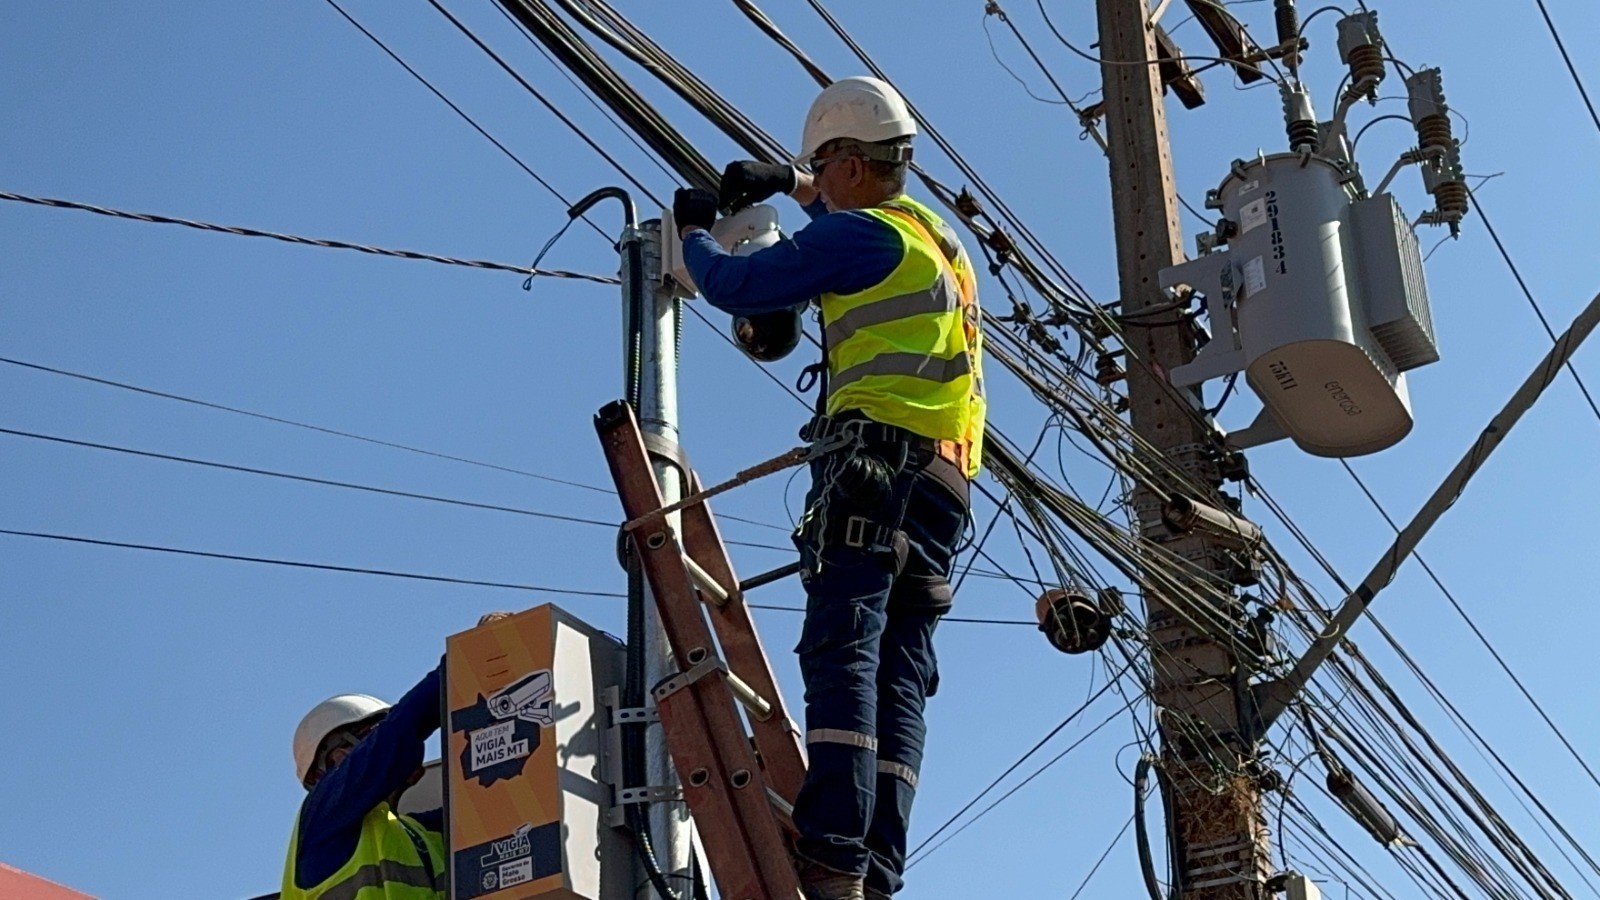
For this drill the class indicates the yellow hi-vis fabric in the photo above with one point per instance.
(907, 351)
(384, 866)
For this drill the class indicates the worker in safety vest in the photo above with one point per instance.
(356, 754)
(902, 404)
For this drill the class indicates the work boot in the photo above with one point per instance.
(822, 883)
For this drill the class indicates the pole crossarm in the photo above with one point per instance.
(1275, 696)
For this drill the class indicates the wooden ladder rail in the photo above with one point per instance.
(729, 788)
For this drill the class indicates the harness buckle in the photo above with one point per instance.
(856, 531)
(827, 435)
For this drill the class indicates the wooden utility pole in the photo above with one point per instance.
(1201, 688)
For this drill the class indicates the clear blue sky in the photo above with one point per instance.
(149, 698)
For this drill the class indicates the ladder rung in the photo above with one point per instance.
(707, 585)
(754, 702)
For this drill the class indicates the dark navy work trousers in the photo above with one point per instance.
(875, 590)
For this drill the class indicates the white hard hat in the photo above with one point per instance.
(865, 109)
(325, 718)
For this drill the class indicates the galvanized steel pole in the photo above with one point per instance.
(658, 330)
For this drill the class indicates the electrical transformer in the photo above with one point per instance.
(1318, 298)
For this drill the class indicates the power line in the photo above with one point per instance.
(462, 113)
(122, 385)
(572, 80)
(299, 564)
(1528, 293)
(1026, 781)
(1101, 861)
(1567, 58)
(304, 241)
(545, 101)
(308, 479)
(1478, 632)
(356, 437)
(1072, 716)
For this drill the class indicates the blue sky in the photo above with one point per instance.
(151, 697)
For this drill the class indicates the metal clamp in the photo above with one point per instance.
(635, 715)
(652, 793)
(684, 679)
(758, 706)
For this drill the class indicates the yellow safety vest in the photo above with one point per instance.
(907, 350)
(384, 866)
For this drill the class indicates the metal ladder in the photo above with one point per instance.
(740, 786)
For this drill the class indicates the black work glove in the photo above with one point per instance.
(694, 207)
(747, 181)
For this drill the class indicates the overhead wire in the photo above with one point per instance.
(460, 112)
(308, 479)
(744, 5)
(1566, 57)
(300, 564)
(546, 102)
(329, 243)
(1527, 292)
(1476, 630)
(611, 117)
(167, 395)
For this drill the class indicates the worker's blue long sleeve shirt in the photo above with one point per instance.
(330, 818)
(839, 252)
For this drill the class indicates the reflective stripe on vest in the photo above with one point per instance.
(907, 350)
(904, 306)
(914, 365)
(381, 874)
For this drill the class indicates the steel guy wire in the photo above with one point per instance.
(358, 570)
(462, 113)
(304, 241)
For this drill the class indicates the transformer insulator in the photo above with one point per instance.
(1303, 133)
(1436, 131)
(1452, 199)
(1071, 621)
(1288, 19)
(1366, 70)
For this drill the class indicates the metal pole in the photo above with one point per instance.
(658, 329)
(650, 317)
(1201, 688)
